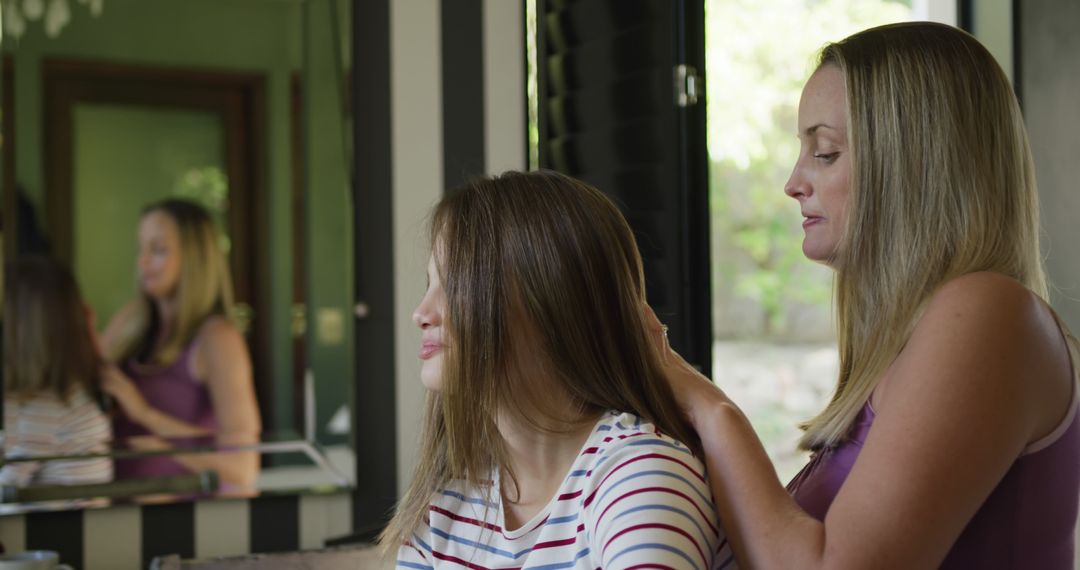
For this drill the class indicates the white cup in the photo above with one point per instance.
(32, 560)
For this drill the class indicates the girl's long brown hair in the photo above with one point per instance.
(556, 252)
(47, 342)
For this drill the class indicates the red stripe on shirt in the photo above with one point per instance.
(624, 436)
(568, 496)
(466, 564)
(468, 520)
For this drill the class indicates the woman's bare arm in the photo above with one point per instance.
(984, 374)
(226, 368)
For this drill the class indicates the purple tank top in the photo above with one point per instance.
(1028, 520)
(172, 390)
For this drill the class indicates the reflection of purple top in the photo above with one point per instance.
(1027, 521)
(172, 390)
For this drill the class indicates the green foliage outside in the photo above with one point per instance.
(209, 187)
(758, 56)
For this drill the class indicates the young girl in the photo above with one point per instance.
(550, 439)
(52, 384)
(953, 438)
(184, 373)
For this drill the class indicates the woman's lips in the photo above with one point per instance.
(811, 220)
(428, 349)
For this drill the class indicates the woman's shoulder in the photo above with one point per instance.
(218, 333)
(982, 287)
(987, 335)
(987, 307)
(216, 340)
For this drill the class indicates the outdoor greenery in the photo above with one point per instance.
(758, 55)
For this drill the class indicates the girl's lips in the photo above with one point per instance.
(811, 220)
(427, 350)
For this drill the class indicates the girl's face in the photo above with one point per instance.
(159, 255)
(429, 317)
(819, 180)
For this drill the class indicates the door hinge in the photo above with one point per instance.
(687, 85)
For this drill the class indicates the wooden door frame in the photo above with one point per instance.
(10, 217)
(239, 99)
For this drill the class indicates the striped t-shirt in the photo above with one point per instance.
(633, 498)
(45, 425)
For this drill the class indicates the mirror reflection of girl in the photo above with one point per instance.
(52, 381)
(550, 436)
(183, 370)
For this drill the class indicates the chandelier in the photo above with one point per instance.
(53, 14)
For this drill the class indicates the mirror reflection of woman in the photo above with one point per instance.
(182, 369)
(52, 379)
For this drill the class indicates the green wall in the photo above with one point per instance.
(263, 36)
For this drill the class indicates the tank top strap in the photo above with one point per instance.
(1072, 345)
(182, 362)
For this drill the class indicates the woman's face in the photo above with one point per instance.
(429, 317)
(159, 255)
(819, 180)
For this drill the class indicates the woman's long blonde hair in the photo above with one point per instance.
(555, 252)
(942, 184)
(204, 290)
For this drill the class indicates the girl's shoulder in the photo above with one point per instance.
(624, 444)
(647, 500)
(625, 429)
(47, 412)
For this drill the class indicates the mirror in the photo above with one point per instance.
(239, 105)
(302, 466)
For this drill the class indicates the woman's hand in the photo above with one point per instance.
(116, 384)
(694, 392)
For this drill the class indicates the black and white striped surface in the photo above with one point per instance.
(457, 106)
(130, 536)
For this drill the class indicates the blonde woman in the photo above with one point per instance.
(183, 372)
(952, 439)
(550, 437)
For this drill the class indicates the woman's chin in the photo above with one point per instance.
(824, 254)
(431, 382)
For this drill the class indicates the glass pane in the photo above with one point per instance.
(774, 345)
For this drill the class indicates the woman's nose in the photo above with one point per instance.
(796, 185)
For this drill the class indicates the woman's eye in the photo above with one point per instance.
(827, 157)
